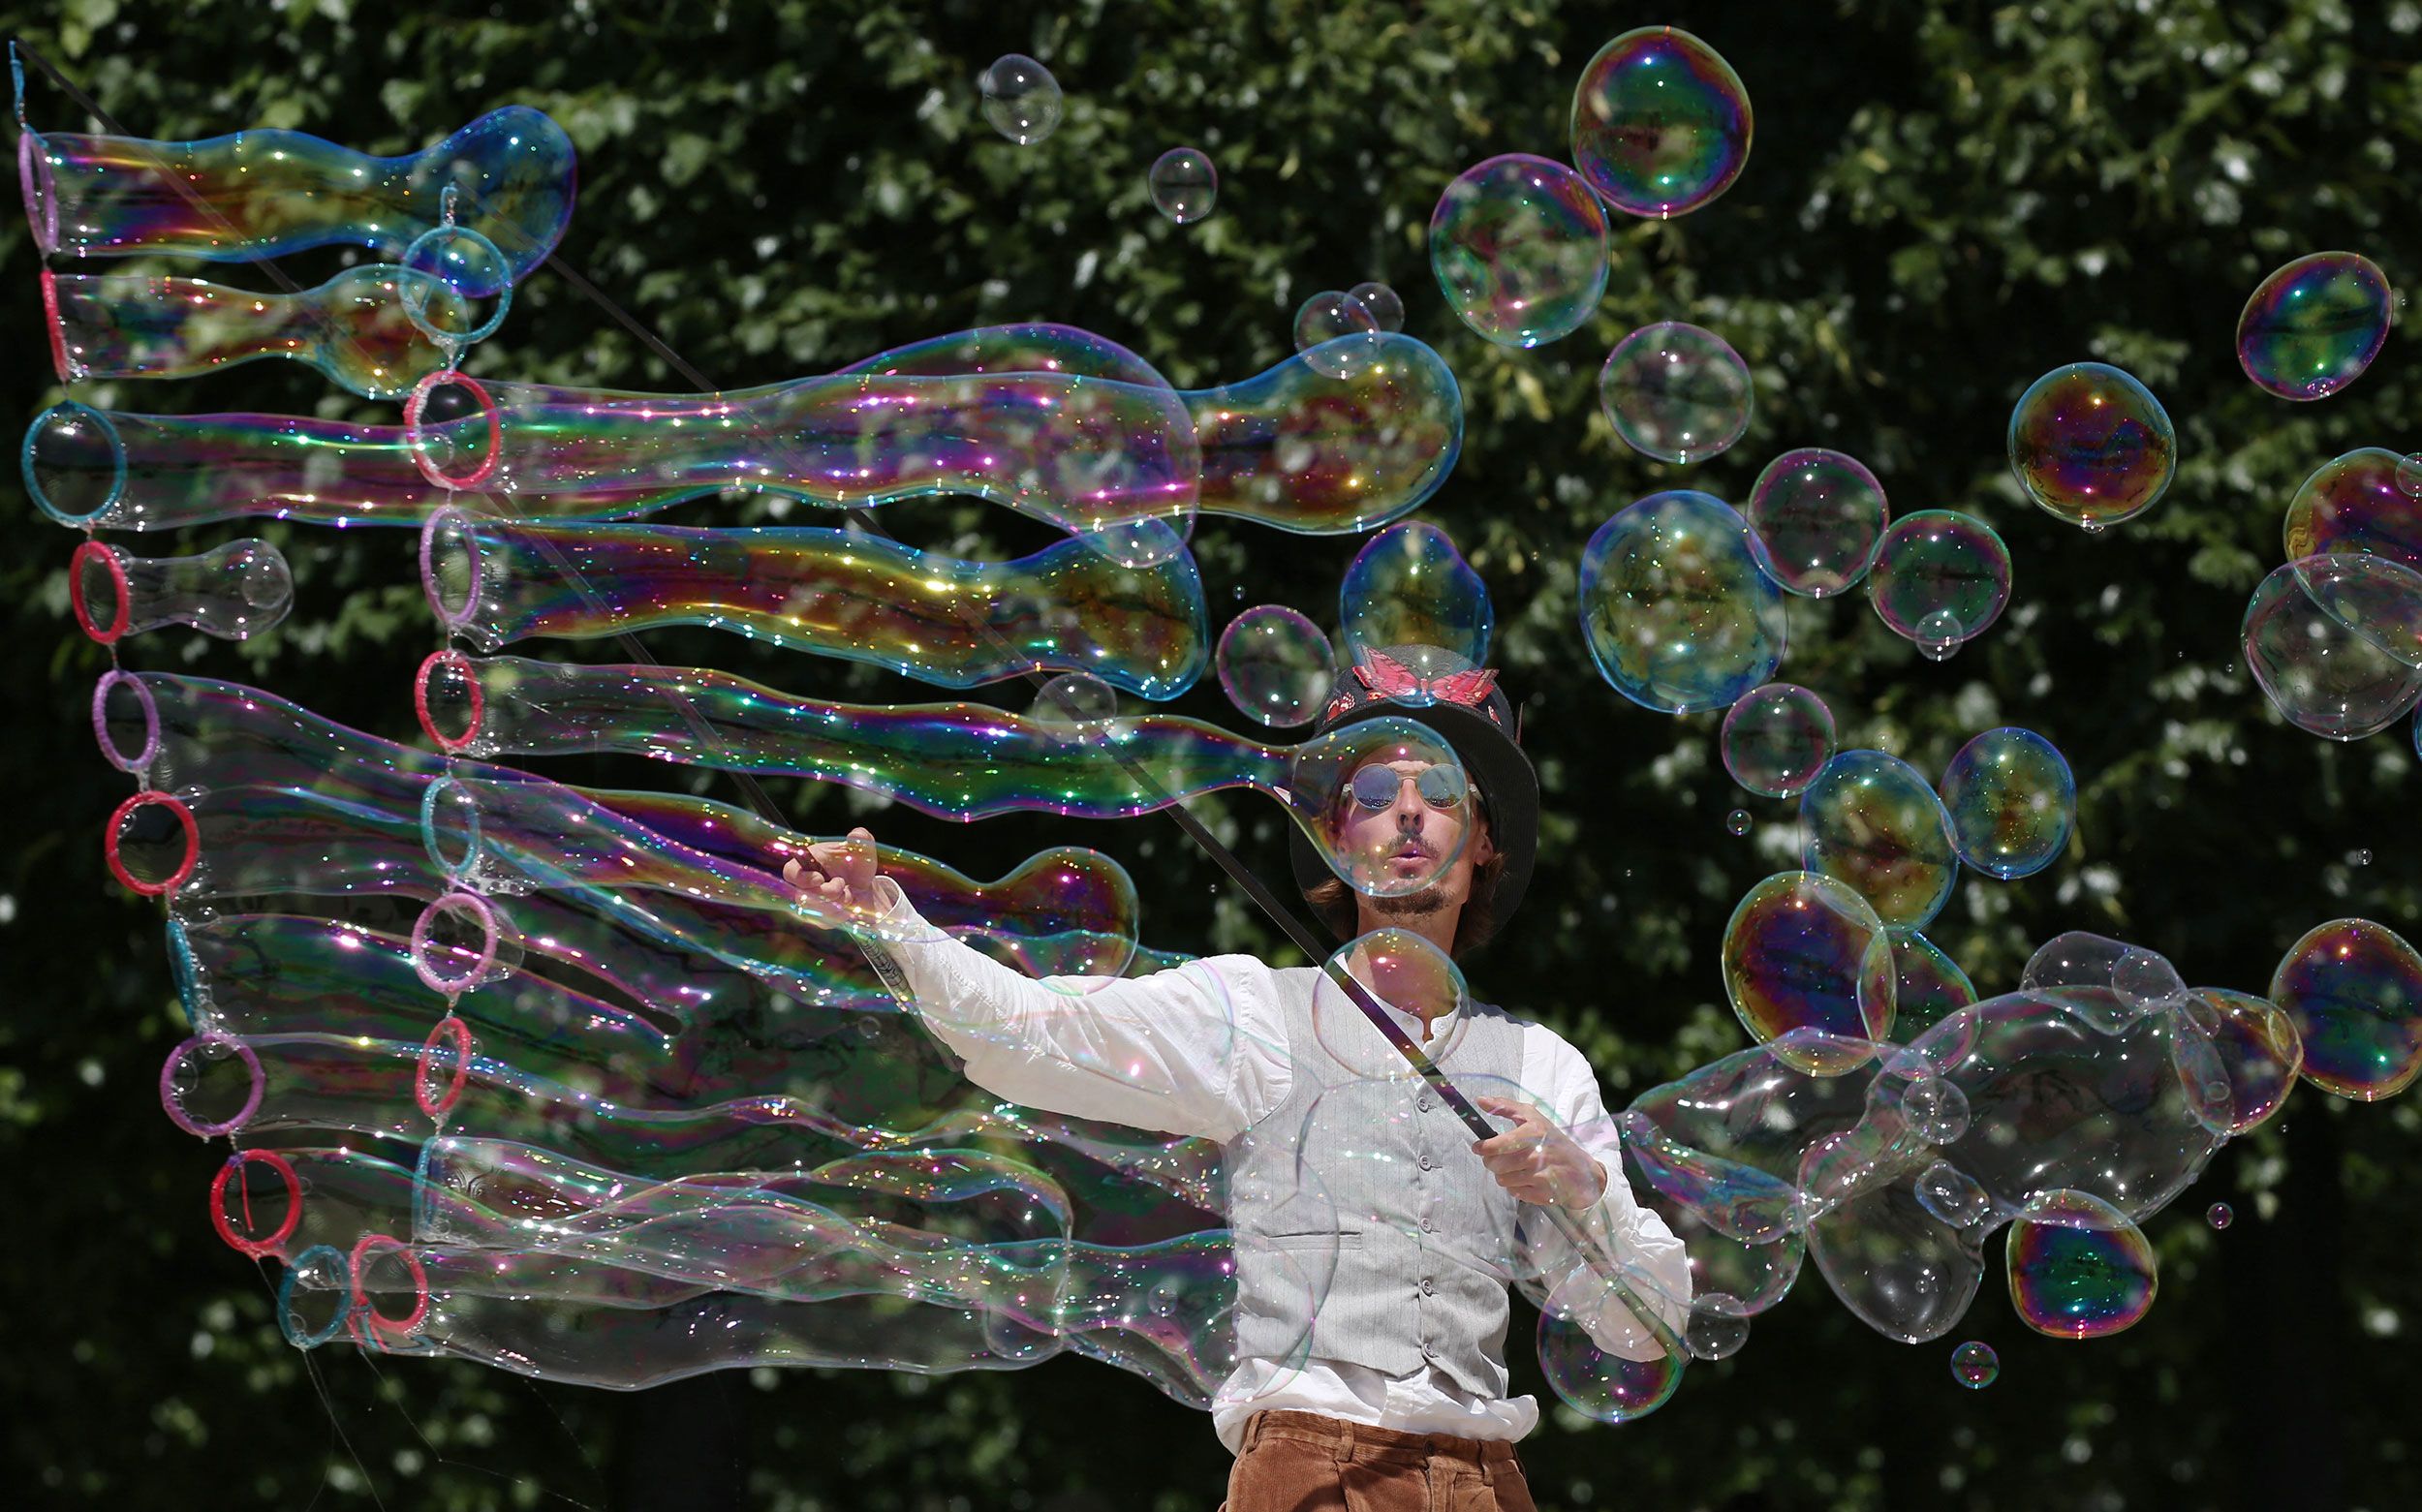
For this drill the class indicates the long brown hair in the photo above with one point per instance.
(1333, 903)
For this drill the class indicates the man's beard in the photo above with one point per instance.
(1411, 905)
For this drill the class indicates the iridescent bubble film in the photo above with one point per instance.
(1021, 100)
(1518, 245)
(2012, 802)
(1871, 820)
(2352, 505)
(2353, 990)
(1975, 1364)
(2320, 675)
(1775, 739)
(1940, 579)
(1928, 985)
(2092, 446)
(1184, 184)
(1409, 586)
(1676, 613)
(1676, 391)
(1660, 123)
(234, 592)
(1737, 823)
(1817, 520)
(1406, 973)
(2378, 598)
(2314, 324)
(2219, 1214)
(1275, 665)
(266, 194)
(1806, 952)
(2078, 1269)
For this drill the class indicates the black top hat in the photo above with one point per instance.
(1463, 704)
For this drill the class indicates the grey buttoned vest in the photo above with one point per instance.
(1422, 1232)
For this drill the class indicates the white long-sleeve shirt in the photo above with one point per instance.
(1202, 1051)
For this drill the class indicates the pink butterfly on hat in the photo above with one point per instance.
(1391, 678)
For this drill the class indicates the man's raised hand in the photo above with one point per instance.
(1536, 1161)
(839, 870)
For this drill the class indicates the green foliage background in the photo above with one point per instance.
(1945, 199)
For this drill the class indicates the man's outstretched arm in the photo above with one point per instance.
(1199, 1050)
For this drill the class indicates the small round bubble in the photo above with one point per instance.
(1939, 574)
(2409, 475)
(1518, 245)
(2092, 446)
(1021, 98)
(1872, 821)
(1804, 951)
(2012, 802)
(2219, 1214)
(1183, 185)
(2077, 1267)
(1386, 307)
(1333, 331)
(1975, 1364)
(1817, 520)
(2353, 990)
(1673, 608)
(1676, 391)
(2314, 324)
(1275, 665)
(1660, 123)
(1718, 1326)
(1737, 823)
(1775, 739)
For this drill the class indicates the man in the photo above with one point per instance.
(1403, 1399)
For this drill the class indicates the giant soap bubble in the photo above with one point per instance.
(2319, 674)
(1817, 520)
(1804, 951)
(1408, 586)
(1675, 391)
(2353, 991)
(1872, 822)
(2012, 802)
(1940, 579)
(2092, 446)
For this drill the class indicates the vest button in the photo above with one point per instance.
(1425, 1162)
(1429, 1287)
(1422, 1104)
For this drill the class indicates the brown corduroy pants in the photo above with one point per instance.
(1301, 1462)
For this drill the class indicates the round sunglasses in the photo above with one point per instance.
(1376, 788)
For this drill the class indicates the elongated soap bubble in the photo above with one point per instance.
(1804, 951)
(1940, 579)
(353, 329)
(264, 194)
(232, 591)
(2354, 505)
(1184, 184)
(2320, 675)
(2353, 990)
(1676, 391)
(992, 411)
(2012, 802)
(1817, 520)
(2314, 324)
(1518, 245)
(1676, 613)
(1275, 664)
(1408, 586)
(1928, 985)
(957, 624)
(2092, 446)
(1871, 820)
(1660, 123)
(2078, 1269)
(1021, 100)
(1775, 739)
